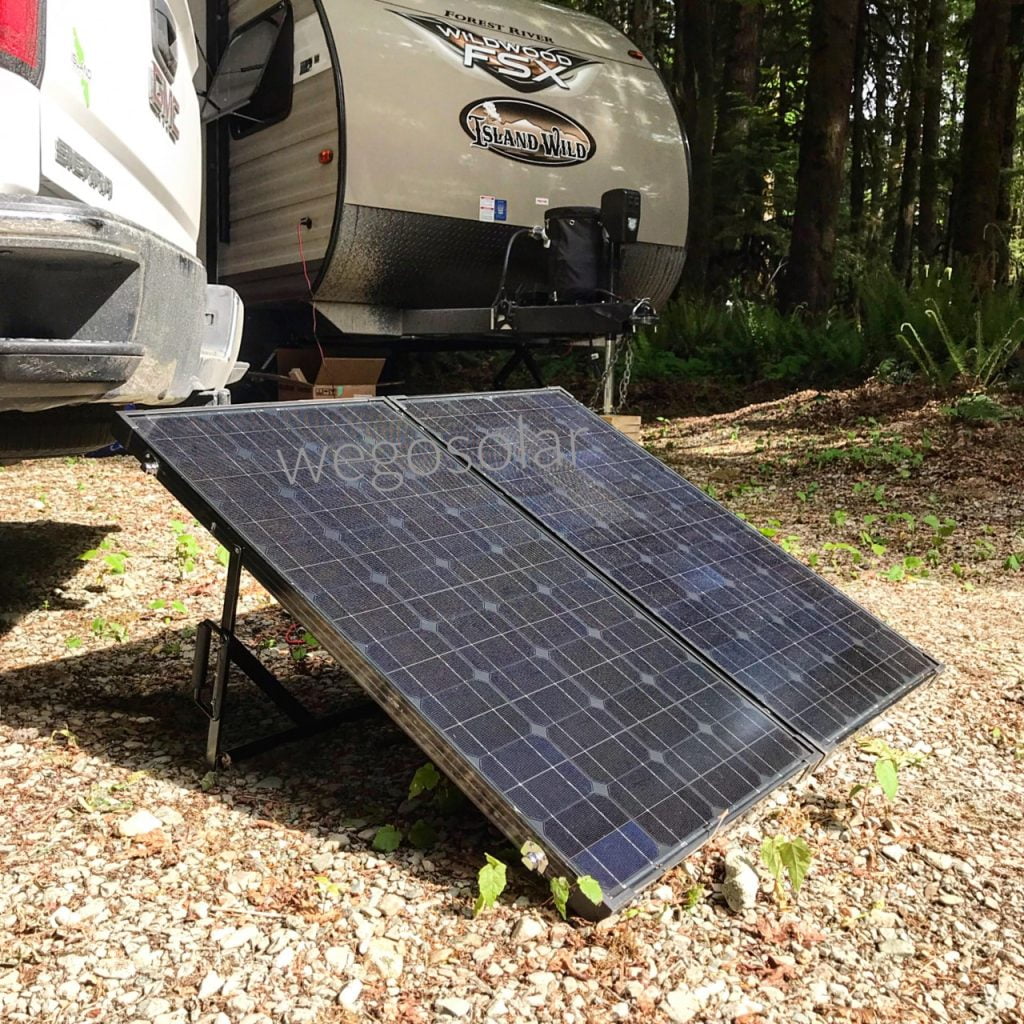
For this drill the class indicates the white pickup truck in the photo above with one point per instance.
(103, 302)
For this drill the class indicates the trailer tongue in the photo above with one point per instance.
(608, 663)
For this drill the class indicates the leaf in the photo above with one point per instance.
(770, 856)
(591, 888)
(422, 835)
(491, 880)
(796, 859)
(223, 555)
(885, 773)
(426, 778)
(560, 895)
(534, 857)
(179, 607)
(387, 839)
(115, 562)
(73, 643)
(693, 896)
(89, 555)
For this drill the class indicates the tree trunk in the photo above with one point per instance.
(931, 134)
(695, 90)
(981, 144)
(738, 183)
(1011, 96)
(858, 153)
(808, 279)
(641, 24)
(902, 251)
(877, 144)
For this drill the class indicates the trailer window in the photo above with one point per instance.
(253, 81)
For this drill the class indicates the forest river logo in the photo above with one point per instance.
(528, 132)
(525, 64)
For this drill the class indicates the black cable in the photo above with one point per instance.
(504, 268)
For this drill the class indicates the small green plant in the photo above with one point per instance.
(491, 881)
(790, 856)
(875, 492)
(1007, 742)
(64, 737)
(886, 768)
(387, 840)
(186, 548)
(911, 567)
(167, 607)
(114, 630)
(979, 408)
(110, 560)
(855, 554)
(300, 651)
(694, 896)
(808, 493)
(425, 780)
(422, 835)
(535, 859)
(1014, 562)
(839, 517)
(222, 555)
(328, 890)
(73, 643)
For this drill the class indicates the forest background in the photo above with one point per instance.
(857, 190)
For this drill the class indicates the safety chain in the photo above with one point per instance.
(625, 351)
(627, 371)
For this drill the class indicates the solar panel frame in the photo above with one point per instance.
(813, 729)
(374, 678)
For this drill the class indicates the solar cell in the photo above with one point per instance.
(565, 711)
(805, 650)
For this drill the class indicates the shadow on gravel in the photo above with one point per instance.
(131, 705)
(37, 557)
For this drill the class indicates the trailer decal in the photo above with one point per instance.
(528, 132)
(522, 65)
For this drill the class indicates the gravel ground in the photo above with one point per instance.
(137, 887)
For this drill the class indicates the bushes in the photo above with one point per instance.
(939, 327)
(747, 342)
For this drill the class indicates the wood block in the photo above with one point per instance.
(629, 425)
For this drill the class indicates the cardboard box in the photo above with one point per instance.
(629, 425)
(304, 374)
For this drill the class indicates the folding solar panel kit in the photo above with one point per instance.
(605, 660)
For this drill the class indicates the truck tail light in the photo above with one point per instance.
(21, 37)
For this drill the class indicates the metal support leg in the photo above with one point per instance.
(228, 617)
(609, 377)
(520, 355)
(211, 697)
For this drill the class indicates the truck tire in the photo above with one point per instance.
(63, 431)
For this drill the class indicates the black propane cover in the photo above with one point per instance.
(577, 256)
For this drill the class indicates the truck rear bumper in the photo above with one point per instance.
(96, 309)
(71, 369)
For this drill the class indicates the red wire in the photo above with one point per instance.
(309, 285)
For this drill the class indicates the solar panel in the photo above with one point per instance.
(803, 649)
(567, 713)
